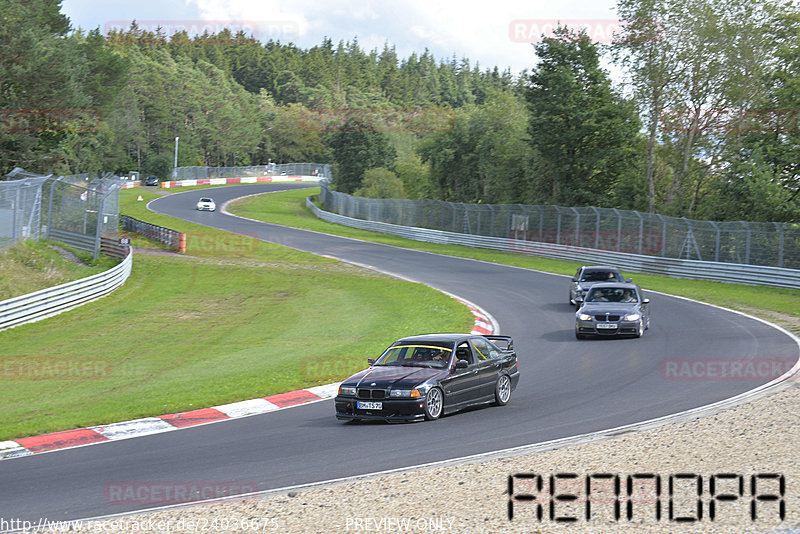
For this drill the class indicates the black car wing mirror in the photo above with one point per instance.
(370, 361)
(462, 364)
(574, 278)
(628, 280)
(645, 301)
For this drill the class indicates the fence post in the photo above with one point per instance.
(716, 243)
(99, 228)
(663, 235)
(780, 244)
(14, 215)
(641, 229)
(747, 247)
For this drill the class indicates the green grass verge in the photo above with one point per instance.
(30, 266)
(234, 319)
(288, 208)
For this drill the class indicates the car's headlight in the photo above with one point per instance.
(632, 317)
(584, 317)
(404, 393)
(347, 390)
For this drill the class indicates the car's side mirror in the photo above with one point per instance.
(645, 301)
(462, 364)
(370, 361)
(574, 278)
(628, 280)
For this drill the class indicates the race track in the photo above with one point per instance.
(566, 387)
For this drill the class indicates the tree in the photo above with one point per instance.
(297, 136)
(357, 146)
(483, 155)
(584, 132)
(380, 183)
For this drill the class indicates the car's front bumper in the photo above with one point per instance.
(206, 208)
(590, 328)
(400, 410)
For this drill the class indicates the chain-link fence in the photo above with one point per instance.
(20, 207)
(77, 209)
(323, 170)
(773, 244)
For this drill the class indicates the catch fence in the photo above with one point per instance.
(77, 209)
(609, 229)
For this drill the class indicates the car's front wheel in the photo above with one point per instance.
(434, 403)
(640, 329)
(502, 390)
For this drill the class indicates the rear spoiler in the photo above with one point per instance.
(504, 342)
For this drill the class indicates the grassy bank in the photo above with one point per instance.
(31, 266)
(234, 319)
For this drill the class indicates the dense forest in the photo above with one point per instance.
(704, 123)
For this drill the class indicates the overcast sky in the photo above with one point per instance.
(494, 32)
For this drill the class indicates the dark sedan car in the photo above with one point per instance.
(611, 309)
(588, 275)
(423, 377)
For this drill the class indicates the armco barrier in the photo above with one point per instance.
(172, 238)
(707, 270)
(54, 300)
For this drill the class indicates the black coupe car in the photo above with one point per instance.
(423, 377)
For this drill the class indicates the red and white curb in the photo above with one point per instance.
(65, 439)
(248, 180)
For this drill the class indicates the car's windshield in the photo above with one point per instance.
(601, 276)
(206, 200)
(416, 356)
(612, 294)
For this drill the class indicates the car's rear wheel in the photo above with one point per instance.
(502, 390)
(434, 403)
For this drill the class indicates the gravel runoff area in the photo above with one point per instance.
(753, 441)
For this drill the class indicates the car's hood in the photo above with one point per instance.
(614, 308)
(384, 376)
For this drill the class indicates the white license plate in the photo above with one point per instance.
(606, 326)
(369, 405)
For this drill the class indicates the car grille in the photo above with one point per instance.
(607, 317)
(364, 393)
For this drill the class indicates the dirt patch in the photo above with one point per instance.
(157, 252)
(68, 255)
(785, 320)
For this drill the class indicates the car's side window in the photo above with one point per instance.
(463, 352)
(483, 349)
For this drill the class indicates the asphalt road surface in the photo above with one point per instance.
(567, 387)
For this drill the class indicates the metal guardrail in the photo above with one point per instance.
(705, 270)
(54, 300)
(171, 238)
(73, 239)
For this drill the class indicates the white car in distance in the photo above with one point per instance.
(206, 204)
